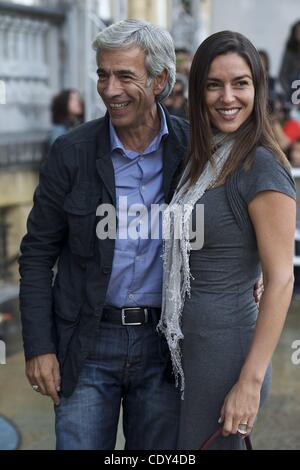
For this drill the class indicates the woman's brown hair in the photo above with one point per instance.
(59, 107)
(255, 131)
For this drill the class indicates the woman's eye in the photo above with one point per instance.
(242, 83)
(212, 85)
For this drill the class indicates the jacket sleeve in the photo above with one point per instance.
(40, 248)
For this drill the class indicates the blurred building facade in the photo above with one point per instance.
(45, 46)
(29, 43)
(266, 23)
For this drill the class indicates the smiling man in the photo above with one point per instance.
(90, 338)
(130, 95)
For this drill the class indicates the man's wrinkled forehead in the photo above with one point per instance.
(124, 51)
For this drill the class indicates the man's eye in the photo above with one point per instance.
(100, 74)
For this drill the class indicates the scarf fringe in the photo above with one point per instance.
(176, 252)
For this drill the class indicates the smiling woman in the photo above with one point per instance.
(220, 345)
(229, 92)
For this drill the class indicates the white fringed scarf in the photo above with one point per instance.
(176, 253)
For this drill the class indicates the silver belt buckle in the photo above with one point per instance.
(123, 313)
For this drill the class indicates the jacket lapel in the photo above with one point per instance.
(104, 163)
(174, 152)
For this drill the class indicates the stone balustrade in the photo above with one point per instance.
(30, 73)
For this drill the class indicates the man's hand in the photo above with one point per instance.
(258, 290)
(43, 371)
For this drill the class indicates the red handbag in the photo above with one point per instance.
(216, 434)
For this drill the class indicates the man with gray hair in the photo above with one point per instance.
(90, 337)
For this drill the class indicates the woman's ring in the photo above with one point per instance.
(242, 428)
(36, 388)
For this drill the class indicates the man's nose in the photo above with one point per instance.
(112, 87)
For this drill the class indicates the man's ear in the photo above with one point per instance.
(160, 82)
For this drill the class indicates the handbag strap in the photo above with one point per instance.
(218, 433)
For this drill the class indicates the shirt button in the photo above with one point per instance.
(130, 296)
(138, 258)
(143, 188)
(141, 222)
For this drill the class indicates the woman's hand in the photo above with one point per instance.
(240, 408)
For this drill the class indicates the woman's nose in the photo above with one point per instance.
(227, 94)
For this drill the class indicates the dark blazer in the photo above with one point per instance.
(78, 175)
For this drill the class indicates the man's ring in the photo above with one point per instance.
(242, 428)
(36, 388)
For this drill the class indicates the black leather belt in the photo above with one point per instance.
(130, 316)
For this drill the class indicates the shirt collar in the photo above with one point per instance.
(115, 142)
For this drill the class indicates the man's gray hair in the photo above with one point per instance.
(154, 41)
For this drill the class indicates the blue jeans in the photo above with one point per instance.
(127, 366)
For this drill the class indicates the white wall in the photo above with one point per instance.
(265, 22)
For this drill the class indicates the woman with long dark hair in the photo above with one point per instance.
(221, 346)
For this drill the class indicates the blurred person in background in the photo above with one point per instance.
(67, 110)
(264, 56)
(176, 103)
(278, 106)
(290, 66)
(279, 111)
(183, 61)
(291, 127)
(294, 153)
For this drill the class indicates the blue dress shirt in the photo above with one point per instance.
(136, 278)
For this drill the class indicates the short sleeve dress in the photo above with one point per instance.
(219, 318)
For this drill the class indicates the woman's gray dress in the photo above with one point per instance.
(219, 318)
